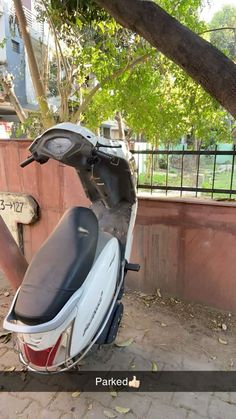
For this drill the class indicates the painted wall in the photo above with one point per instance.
(55, 187)
(185, 247)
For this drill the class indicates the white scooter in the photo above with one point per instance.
(70, 297)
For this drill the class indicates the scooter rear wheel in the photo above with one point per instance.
(112, 333)
(109, 333)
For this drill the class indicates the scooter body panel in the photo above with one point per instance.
(96, 298)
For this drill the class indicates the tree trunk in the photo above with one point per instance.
(47, 118)
(6, 80)
(120, 126)
(204, 63)
(12, 262)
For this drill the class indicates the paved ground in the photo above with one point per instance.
(173, 335)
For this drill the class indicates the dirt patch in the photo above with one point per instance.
(177, 334)
(188, 312)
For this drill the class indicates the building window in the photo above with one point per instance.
(106, 132)
(15, 46)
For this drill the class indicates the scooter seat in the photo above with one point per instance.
(59, 268)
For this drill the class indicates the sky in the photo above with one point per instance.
(216, 5)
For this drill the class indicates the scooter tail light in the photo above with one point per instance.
(43, 358)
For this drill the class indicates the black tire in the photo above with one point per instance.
(115, 323)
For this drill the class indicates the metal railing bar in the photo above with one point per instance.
(188, 189)
(182, 172)
(198, 169)
(167, 171)
(152, 170)
(214, 174)
(232, 174)
(138, 172)
(187, 152)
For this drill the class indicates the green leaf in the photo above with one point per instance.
(122, 410)
(127, 342)
(154, 367)
(76, 394)
(109, 414)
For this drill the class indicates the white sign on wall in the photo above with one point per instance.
(16, 209)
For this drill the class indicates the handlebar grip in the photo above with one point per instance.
(27, 161)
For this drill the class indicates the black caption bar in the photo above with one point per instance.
(139, 381)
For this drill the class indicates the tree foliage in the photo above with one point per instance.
(100, 68)
(156, 97)
(225, 39)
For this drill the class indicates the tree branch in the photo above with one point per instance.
(47, 118)
(6, 81)
(64, 86)
(117, 73)
(218, 29)
(198, 58)
(56, 39)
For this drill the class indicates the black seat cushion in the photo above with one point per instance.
(59, 268)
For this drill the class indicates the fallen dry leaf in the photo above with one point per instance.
(154, 367)
(76, 394)
(163, 324)
(113, 393)
(5, 337)
(122, 410)
(142, 294)
(125, 343)
(109, 414)
(224, 342)
(10, 369)
(6, 294)
(159, 293)
(149, 298)
(224, 326)
(90, 406)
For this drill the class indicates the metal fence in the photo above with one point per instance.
(207, 173)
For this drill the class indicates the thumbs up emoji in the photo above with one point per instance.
(134, 383)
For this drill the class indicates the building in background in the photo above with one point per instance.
(110, 129)
(13, 58)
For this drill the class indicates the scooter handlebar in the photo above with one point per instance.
(29, 160)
